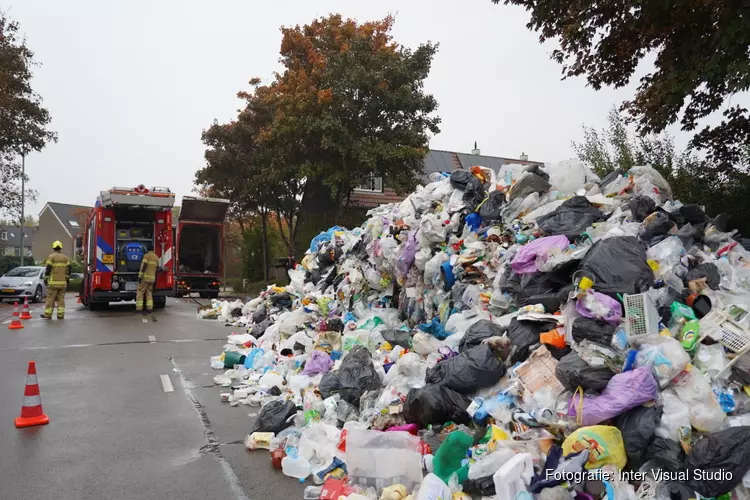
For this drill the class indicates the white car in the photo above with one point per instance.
(22, 282)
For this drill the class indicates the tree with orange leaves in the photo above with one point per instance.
(350, 103)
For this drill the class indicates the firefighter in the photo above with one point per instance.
(56, 277)
(146, 280)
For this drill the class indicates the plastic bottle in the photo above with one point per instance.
(513, 477)
(295, 467)
(691, 335)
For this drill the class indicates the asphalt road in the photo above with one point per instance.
(115, 431)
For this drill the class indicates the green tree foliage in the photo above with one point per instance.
(23, 120)
(692, 179)
(702, 58)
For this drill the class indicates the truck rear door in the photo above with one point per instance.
(197, 215)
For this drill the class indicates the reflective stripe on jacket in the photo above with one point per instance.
(58, 269)
(148, 267)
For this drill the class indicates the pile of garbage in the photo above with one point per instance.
(537, 332)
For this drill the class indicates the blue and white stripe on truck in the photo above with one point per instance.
(102, 248)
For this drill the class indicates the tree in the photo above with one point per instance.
(702, 58)
(23, 120)
(692, 179)
(349, 104)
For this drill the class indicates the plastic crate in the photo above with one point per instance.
(641, 316)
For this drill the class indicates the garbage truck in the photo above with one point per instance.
(125, 223)
(199, 237)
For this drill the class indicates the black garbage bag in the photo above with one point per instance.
(476, 333)
(656, 225)
(471, 370)
(721, 222)
(328, 254)
(693, 214)
(273, 417)
(557, 352)
(667, 454)
(571, 218)
(460, 178)
(357, 375)
(436, 405)
(397, 337)
(618, 265)
(572, 372)
(282, 300)
(525, 334)
(717, 462)
(329, 385)
(638, 427)
(260, 314)
(708, 271)
(490, 209)
(527, 184)
(537, 170)
(527, 287)
(484, 486)
(474, 193)
(259, 329)
(595, 330)
(335, 325)
(641, 207)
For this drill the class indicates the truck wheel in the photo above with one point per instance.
(179, 295)
(160, 303)
(213, 295)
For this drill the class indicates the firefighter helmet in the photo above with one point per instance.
(57, 246)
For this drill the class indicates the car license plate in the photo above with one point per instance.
(8, 290)
(129, 287)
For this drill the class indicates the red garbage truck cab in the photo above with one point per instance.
(199, 262)
(122, 226)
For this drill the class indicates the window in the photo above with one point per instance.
(73, 223)
(371, 183)
(4, 235)
(17, 252)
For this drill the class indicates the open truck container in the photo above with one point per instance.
(122, 226)
(199, 259)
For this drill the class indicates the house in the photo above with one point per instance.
(372, 192)
(59, 222)
(10, 240)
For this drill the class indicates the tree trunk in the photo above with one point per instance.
(264, 224)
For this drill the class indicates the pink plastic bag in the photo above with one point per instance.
(623, 392)
(525, 260)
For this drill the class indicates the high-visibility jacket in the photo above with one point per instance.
(148, 267)
(58, 270)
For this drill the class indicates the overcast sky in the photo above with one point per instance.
(130, 84)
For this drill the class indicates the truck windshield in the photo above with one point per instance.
(23, 272)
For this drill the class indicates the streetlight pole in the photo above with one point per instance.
(23, 188)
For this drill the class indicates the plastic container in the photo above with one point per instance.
(489, 464)
(513, 477)
(641, 316)
(295, 467)
(381, 459)
(232, 358)
(312, 493)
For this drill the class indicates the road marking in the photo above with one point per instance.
(152, 339)
(6, 322)
(166, 383)
(144, 320)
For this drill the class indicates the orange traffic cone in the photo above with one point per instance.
(31, 411)
(25, 314)
(79, 300)
(16, 323)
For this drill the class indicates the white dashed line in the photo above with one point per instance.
(152, 339)
(166, 383)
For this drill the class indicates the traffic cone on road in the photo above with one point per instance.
(25, 314)
(15, 324)
(79, 300)
(31, 411)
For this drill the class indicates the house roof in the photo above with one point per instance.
(70, 216)
(448, 161)
(14, 236)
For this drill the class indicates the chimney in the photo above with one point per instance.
(475, 151)
(524, 157)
